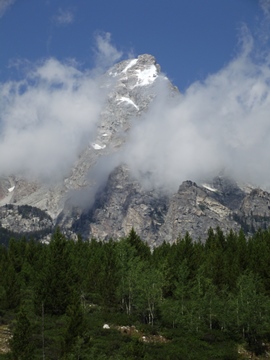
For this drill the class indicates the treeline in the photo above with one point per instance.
(204, 298)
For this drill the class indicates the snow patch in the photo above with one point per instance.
(147, 76)
(105, 135)
(128, 100)
(208, 187)
(7, 199)
(113, 74)
(130, 64)
(97, 146)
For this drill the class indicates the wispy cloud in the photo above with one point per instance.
(105, 53)
(4, 5)
(64, 17)
(48, 117)
(265, 5)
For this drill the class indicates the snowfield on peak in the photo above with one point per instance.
(144, 70)
(146, 76)
(130, 65)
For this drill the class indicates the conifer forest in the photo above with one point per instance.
(121, 299)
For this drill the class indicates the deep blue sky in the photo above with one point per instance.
(189, 38)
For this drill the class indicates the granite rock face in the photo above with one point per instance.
(158, 217)
(82, 202)
(121, 205)
(26, 220)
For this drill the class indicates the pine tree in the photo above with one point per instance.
(56, 283)
(12, 287)
(22, 345)
(75, 324)
(142, 249)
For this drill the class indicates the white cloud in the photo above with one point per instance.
(64, 17)
(105, 53)
(221, 124)
(4, 5)
(46, 119)
(265, 5)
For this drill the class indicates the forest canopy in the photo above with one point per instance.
(186, 300)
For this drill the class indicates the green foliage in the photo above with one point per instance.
(6, 234)
(22, 344)
(27, 212)
(141, 248)
(203, 298)
(56, 283)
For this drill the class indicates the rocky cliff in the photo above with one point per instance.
(157, 216)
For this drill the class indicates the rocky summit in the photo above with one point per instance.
(101, 196)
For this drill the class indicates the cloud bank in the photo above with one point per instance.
(220, 124)
(47, 118)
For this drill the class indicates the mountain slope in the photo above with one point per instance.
(102, 197)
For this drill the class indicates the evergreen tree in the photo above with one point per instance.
(22, 345)
(57, 281)
(74, 328)
(214, 257)
(231, 262)
(142, 249)
(16, 251)
(242, 251)
(12, 287)
(108, 277)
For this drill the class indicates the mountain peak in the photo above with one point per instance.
(102, 198)
(141, 71)
(147, 59)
